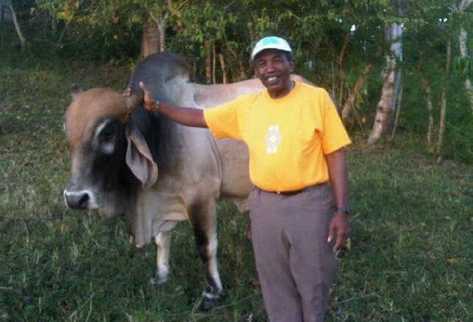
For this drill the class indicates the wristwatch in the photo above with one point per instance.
(343, 210)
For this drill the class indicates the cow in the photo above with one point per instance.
(128, 161)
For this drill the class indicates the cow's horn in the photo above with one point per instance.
(75, 89)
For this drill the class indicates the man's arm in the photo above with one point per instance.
(339, 226)
(183, 115)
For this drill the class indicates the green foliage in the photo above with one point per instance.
(100, 30)
(333, 41)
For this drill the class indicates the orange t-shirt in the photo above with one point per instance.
(287, 137)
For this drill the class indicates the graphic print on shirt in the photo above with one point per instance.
(273, 139)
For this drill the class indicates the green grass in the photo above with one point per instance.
(412, 247)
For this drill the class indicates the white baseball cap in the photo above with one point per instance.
(271, 42)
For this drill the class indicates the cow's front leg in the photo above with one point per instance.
(163, 244)
(205, 230)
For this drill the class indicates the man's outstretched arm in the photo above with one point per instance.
(183, 115)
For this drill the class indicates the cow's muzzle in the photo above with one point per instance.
(83, 199)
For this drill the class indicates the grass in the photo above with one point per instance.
(412, 248)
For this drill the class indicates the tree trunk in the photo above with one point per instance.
(391, 87)
(350, 102)
(214, 65)
(333, 90)
(16, 24)
(341, 72)
(243, 74)
(443, 104)
(463, 40)
(222, 66)
(430, 111)
(162, 35)
(385, 105)
(397, 108)
(239, 73)
(2, 12)
(154, 36)
(150, 43)
(208, 61)
(463, 43)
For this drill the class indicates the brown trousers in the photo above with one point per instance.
(296, 266)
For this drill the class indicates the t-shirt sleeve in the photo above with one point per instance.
(334, 134)
(224, 121)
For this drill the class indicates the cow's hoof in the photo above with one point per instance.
(207, 304)
(210, 299)
(158, 279)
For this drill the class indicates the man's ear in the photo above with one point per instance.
(291, 66)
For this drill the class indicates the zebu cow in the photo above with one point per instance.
(126, 160)
(116, 158)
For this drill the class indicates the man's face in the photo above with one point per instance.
(274, 68)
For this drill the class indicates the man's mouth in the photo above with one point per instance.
(272, 80)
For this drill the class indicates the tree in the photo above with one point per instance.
(7, 4)
(391, 91)
(463, 44)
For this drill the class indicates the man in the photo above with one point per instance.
(299, 206)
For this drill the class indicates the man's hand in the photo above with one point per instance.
(127, 92)
(149, 102)
(339, 230)
(183, 115)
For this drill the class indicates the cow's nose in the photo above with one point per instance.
(77, 199)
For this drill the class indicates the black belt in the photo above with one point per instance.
(294, 192)
(290, 193)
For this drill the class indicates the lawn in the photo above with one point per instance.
(411, 256)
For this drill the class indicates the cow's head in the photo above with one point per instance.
(108, 156)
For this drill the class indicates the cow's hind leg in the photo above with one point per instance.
(163, 244)
(205, 230)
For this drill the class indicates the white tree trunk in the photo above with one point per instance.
(464, 4)
(391, 87)
(385, 105)
(397, 106)
(17, 25)
(463, 39)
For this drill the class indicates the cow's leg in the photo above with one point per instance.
(205, 230)
(163, 245)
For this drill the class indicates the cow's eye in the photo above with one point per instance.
(107, 133)
(105, 136)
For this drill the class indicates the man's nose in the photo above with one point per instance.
(270, 67)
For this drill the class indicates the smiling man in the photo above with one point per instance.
(299, 205)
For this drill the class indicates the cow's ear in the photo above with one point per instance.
(139, 158)
(75, 90)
